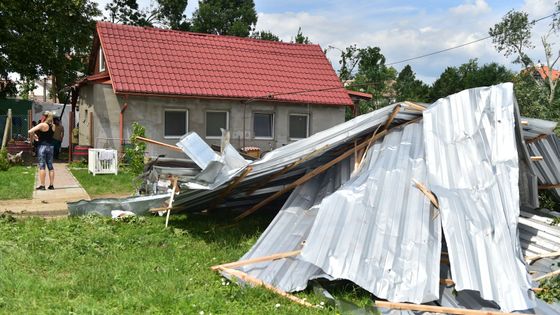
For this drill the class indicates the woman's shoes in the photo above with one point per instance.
(40, 188)
(51, 187)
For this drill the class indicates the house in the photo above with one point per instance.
(543, 72)
(266, 93)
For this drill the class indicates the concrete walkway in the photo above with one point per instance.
(49, 203)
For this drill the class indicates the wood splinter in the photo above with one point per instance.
(427, 192)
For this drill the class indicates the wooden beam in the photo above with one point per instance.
(536, 158)
(171, 198)
(434, 309)
(525, 123)
(256, 260)
(414, 106)
(535, 139)
(313, 173)
(394, 113)
(229, 188)
(548, 275)
(447, 282)
(427, 192)
(286, 169)
(7, 127)
(166, 145)
(549, 186)
(530, 259)
(159, 209)
(259, 283)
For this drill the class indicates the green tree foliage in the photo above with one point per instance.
(469, 75)
(512, 37)
(407, 87)
(165, 13)
(225, 17)
(300, 38)
(265, 35)
(135, 153)
(46, 37)
(349, 59)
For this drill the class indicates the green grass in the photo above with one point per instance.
(95, 265)
(105, 184)
(17, 182)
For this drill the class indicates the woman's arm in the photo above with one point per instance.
(41, 126)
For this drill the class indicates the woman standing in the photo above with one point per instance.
(43, 132)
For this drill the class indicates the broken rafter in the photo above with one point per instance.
(259, 283)
(549, 186)
(257, 260)
(166, 145)
(535, 139)
(314, 173)
(434, 309)
(531, 259)
(414, 106)
(229, 188)
(171, 198)
(537, 158)
(548, 275)
(394, 114)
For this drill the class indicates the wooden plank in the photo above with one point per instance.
(525, 123)
(7, 127)
(257, 260)
(549, 186)
(229, 188)
(313, 173)
(166, 145)
(394, 113)
(530, 259)
(259, 283)
(427, 192)
(536, 158)
(171, 198)
(414, 106)
(160, 209)
(548, 275)
(434, 309)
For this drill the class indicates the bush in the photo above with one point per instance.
(4, 163)
(136, 151)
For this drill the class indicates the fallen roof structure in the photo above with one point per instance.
(370, 198)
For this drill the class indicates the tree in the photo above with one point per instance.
(300, 38)
(407, 87)
(469, 75)
(349, 59)
(265, 35)
(47, 37)
(225, 17)
(512, 37)
(166, 13)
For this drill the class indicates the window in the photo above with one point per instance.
(175, 123)
(214, 122)
(299, 126)
(263, 125)
(101, 60)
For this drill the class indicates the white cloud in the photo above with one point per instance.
(478, 7)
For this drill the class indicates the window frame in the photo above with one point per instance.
(206, 122)
(101, 59)
(306, 127)
(186, 111)
(271, 127)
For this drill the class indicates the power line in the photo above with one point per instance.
(461, 45)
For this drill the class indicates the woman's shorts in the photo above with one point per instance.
(45, 156)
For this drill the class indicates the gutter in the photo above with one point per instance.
(121, 119)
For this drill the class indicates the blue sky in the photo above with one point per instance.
(402, 29)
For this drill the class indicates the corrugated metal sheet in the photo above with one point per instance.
(378, 230)
(548, 169)
(289, 230)
(473, 169)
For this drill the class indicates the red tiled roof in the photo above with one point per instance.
(164, 62)
(545, 72)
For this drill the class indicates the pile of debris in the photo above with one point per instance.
(410, 202)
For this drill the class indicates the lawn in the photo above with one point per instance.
(17, 182)
(94, 265)
(105, 184)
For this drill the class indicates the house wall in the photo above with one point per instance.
(149, 112)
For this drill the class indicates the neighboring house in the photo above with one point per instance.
(175, 82)
(543, 72)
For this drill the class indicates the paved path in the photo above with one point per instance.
(49, 202)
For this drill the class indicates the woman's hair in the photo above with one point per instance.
(48, 117)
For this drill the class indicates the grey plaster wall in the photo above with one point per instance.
(149, 112)
(102, 104)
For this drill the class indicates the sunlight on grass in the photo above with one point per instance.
(105, 184)
(17, 182)
(94, 265)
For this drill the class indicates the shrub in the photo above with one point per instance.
(136, 151)
(4, 163)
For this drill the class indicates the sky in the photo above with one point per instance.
(402, 29)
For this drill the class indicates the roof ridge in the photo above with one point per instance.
(156, 29)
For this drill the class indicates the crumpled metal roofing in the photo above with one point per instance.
(473, 170)
(548, 169)
(378, 230)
